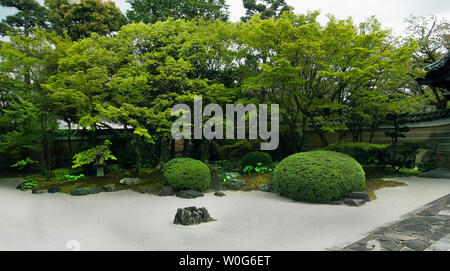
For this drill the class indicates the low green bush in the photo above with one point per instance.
(188, 174)
(364, 153)
(318, 177)
(407, 152)
(74, 178)
(425, 166)
(257, 158)
(28, 185)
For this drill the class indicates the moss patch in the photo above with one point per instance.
(378, 171)
(375, 184)
(150, 178)
(253, 181)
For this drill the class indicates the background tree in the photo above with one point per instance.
(151, 11)
(82, 18)
(134, 79)
(265, 8)
(30, 15)
(28, 61)
(432, 35)
(331, 76)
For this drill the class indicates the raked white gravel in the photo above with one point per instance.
(245, 220)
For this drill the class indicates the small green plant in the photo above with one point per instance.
(227, 179)
(29, 185)
(23, 163)
(74, 178)
(425, 166)
(259, 168)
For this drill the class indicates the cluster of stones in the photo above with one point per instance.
(192, 216)
(185, 194)
(355, 199)
(426, 230)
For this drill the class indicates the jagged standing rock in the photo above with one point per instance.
(192, 216)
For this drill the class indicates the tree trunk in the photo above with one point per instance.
(138, 158)
(204, 151)
(303, 138)
(321, 133)
(165, 150)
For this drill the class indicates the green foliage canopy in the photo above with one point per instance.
(152, 11)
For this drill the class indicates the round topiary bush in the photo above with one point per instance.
(318, 177)
(189, 174)
(253, 158)
(175, 161)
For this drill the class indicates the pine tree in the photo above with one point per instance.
(30, 15)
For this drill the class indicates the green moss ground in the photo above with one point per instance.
(153, 179)
(150, 178)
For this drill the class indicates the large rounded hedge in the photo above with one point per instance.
(253, 158)
(174, 161)
(318, 177)
(188, 174)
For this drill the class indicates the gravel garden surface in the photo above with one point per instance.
(127, 220)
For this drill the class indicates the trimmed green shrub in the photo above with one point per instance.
(174, 161)
(364, 153)
(407, 152)
(28, 185)
(188, 174)
(318, 177)
(255, 159)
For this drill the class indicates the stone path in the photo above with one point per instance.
(427, 229)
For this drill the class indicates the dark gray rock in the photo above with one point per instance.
(339, 202)
(166, 191)
(360, 195)
(266, 187)
(38, 191)
(219, 194)
(354, 202)
(80, 192)
(95, 190)
(146, 191)
(192, 216)
(189, 194)
(109, 188)
(85, 191)
(54, 189)
(130, 181)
